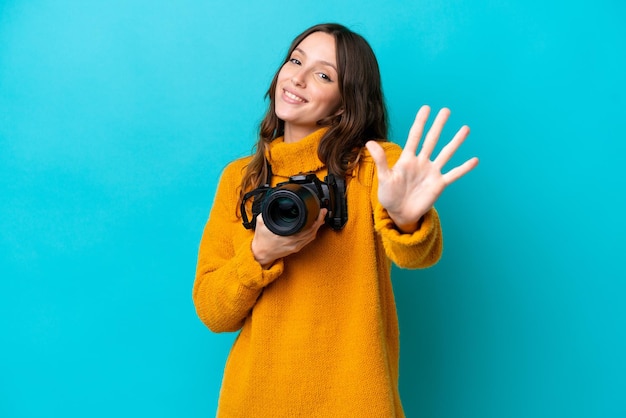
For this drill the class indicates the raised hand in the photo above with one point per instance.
(413, 185)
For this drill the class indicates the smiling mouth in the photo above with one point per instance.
(294, 97)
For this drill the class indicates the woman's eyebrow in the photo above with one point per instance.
(330, 64)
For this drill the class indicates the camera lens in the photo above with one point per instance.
(286, 210)
(289, 209)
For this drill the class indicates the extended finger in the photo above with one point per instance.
(416, 131)
(379, 157)
(451, 147)
(458, 172)
(430, 141)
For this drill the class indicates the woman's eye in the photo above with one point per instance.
(295, 61)
(324, 77)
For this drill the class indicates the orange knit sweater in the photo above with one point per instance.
(319, 329)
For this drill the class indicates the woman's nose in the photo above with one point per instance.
(298, 79)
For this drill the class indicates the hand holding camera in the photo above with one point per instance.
(268, 247)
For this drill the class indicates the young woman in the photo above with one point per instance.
(318, 329)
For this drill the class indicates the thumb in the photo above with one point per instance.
(380, 158)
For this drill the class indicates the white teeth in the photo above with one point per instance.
(293, 96)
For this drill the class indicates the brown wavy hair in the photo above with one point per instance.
(364, 115)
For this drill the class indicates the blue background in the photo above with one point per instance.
(117, 117)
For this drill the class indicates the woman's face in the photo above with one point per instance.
(307, 87)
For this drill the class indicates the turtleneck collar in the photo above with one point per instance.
(288, 159)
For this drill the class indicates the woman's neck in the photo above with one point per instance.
(296, 133)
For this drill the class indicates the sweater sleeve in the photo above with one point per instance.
(420, 249)
(228, 279)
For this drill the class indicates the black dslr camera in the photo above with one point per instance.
(294, 205)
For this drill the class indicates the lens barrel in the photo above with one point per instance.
(290, 208)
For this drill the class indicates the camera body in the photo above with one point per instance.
(294, 205)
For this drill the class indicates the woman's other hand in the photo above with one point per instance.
(409, 189)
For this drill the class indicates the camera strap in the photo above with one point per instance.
(340, 209)
(257, 195)
(268, 178)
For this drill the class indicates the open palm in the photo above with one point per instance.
(409, 189)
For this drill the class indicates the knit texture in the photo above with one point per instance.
(318, 329)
